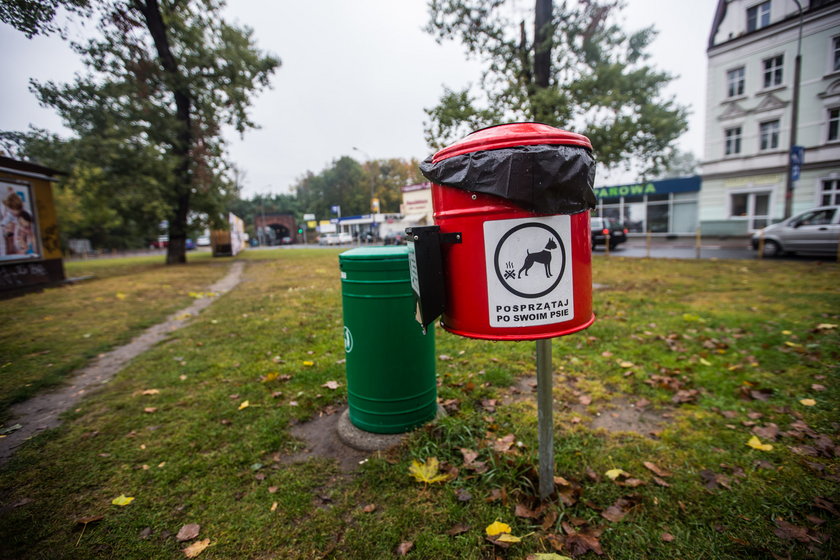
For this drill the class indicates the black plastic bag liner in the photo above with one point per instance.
(546, 178)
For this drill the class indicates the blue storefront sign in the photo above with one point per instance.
(665, 186)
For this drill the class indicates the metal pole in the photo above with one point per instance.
(545, 418)
(698, 243)
(794, 118)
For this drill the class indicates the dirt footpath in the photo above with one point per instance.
(42, 411)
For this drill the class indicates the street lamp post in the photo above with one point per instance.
(794, 118)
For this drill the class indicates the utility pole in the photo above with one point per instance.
(794, 118)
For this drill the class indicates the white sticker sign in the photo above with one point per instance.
(529, 271)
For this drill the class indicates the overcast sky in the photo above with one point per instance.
(355, 74)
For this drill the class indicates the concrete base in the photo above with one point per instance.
(367, 441)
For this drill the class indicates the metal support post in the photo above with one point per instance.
(545, 418)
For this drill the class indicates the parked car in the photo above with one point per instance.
(814, 231)
(190, 244)
(203, 241)
(160, 243)
(335, 238)
(601, 227)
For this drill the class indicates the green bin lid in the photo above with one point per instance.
(375, 253)
(370, 259)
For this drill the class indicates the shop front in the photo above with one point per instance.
(664, 207)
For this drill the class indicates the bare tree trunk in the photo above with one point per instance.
(181, 146)
(543, 36)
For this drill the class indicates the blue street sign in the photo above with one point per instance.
(335, 209)
(797, 158)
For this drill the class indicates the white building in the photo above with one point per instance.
(750, 83)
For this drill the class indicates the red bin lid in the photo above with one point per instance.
(509, 136)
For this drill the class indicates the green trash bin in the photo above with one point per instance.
(391, 384)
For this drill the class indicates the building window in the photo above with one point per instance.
(835, 53)
(733, 141)
(735, 82)
(773, 71)
(769, 135)
(830, 192)
(758, 16)
(754, 207)
(834, 124)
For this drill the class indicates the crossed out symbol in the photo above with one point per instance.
(510, 271)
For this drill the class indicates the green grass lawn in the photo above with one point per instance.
(49, 334)
(687, 361)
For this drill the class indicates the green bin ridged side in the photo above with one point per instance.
(391, 382)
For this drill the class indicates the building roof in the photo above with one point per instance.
(809, 6)
(27, 167)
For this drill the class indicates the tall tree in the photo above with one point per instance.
(575, 69)
(167, 76)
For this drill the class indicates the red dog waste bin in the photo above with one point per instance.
(512, 201)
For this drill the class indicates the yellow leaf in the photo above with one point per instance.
(808, 402)
(626, 364)
(274, 506)
(245, 404)
(705, 362)
(269, 377)
(122, 500)
(497, 528)
(121, 295)
(196, 548)
(308, 363)
(151, 392)
(506, 537)
(612, 474)
(755, 443)
(427, 472)
(787, 333)
(792, 344)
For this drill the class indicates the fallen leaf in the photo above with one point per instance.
(269, 377)
(91, 519)
(667, 537)
(613, 474)
(273, 489)
(244, 404)
(308, 363)
(546, 556)
(508, 538)
(626, 365)
(585, 400)
(807, 402)
(656, 470)
(122, 500)
(755, 443)
(196, 548)
(522, 510)
(331, 385)
(497, 528)
(620, 508)
(458, 529)
(370, 508)
(769, 431)
(151, 392)
(404, 548)
(427, 472)
(120, 296)
(274, 506)
(785, 530)
(188, 532)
